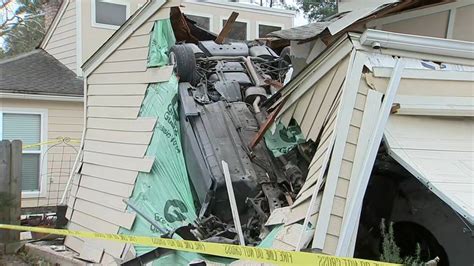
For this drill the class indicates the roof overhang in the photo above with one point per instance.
(440, 153)
(41, 97)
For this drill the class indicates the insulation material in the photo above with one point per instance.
(164, 194)
(283, 139)
(162, 39)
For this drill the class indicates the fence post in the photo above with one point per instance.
(15, 192)
(10, 193)
(5, 156)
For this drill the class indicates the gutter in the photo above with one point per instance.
(40, 97)
(382, 39)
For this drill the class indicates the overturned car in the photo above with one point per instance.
(221, 90)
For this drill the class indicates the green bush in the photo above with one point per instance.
(391, 251)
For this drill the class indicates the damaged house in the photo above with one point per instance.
(199, 140)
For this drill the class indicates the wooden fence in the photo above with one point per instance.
(10, 193)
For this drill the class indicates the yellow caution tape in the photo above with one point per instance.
(278, 257)
(50, 142)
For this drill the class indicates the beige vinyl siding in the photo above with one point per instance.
(463, 29)
(455, 23)
(62, 44)
(345, 172)
(94, 37)
(65, 119)
(115, 142)
(433, 25)
(217, 13)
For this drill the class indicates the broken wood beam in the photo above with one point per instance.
(263, 128)
(227, 28)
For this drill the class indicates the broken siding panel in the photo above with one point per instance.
(128, 137)
(108, 200)
(120, 67)
(329, 99)
(72, 242)
(123, 219)
(110, 247)
(122, 162)
(62, 44)
(285, 119)
(113, 112)
(131, 150)
(131, 54)
(320, 90)
(302, 106)
(117, 89)
(141, 124)
(107, 186)
(145, 29)
(109, 173)
(136, 42)
(151, 75)
(321, 152)
(92, 223)
(116, 101)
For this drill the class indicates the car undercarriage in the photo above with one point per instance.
(221, 90)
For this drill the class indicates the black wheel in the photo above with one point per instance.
(184, 62)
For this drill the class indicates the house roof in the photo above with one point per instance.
(38, 72)
(343, 21)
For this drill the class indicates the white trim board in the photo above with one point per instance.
(417, 44)
(350, 88)
(385, 72)
(355, 205)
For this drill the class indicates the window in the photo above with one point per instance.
(27, 127)
(109, 13)
(238, 31)
(201, 21)
(263, 30)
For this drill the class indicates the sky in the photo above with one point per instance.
(10, 7)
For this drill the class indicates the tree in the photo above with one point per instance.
(317, 10)
(21, 28)
(314, 10)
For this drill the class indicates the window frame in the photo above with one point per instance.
(108, 26)
(221, 25)
(266, 23)
(204, 15)
(43, 167)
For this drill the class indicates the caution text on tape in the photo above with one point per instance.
(277, 257)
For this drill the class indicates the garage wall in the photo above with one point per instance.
(450, 20)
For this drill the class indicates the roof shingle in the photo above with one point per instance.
(38, 72)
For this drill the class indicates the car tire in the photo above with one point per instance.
(184, 62)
